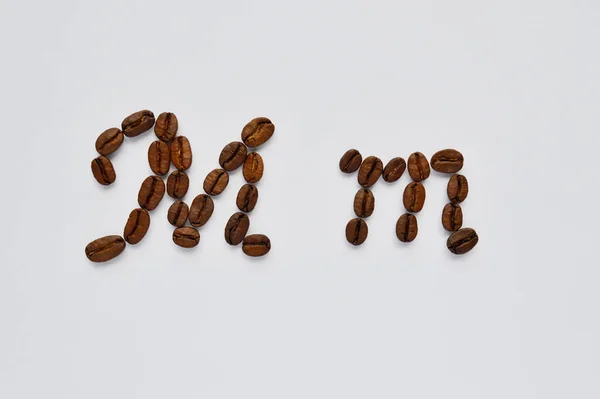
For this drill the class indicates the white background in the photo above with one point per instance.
(512, 84)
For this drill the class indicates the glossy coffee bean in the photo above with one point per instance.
(216, 182)
(462, 241)
(181, 153)
(137, 226)
(109, 141)
(350, 161)
(178, 184)
(407, 227)
(447, 161)
(236, 228)
(233, 156)
(201, 210)
(458, 188)
(103, 171)
(256, 245)
(414, 197)
(394, 169)
(159, 157)
(186, 237)
(137, 123)
(247, 198)
(105, 248)
(253, 167)
(151, 192)
(364, 203)
(418, 166)
(452, 217)
(178, 213)
(166, 126)
(257, 132)
(356, 231)
(370, 171)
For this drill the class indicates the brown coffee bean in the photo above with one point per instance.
(418, 166)
(166, 126)
(236, 228)
(452, 217)
(253, 167)
(137, 226)
(178, 184)
(109, 141)
(458, 188)
(137, 123)
(256, 245)
(462, 241)
(151, 192)
(103, 170)
(447, 161)
(233, 156)
(364, 203)
(394, 169)
(257, 132)
(216, 182)
(407, 227)
(159, 157)
(356, 231)
(201, 210)
(181, 153)
(414, 197)
(186, 237)
(105, 248)
(247, 198)
(350, 161)
(370, 171)
(178, 213)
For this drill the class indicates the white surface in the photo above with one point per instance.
(514, 85)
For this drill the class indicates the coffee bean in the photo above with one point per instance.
(166, 126)
(350, 161)
(137, 226)
(216, 182)
(418, 167)
(452, 217)
(256, 245)
(447, 161)
(159, 157)
(151, 192)
(257, 132)
(394, 169)
(247, 198)
(181, 153)
(178, 184)
(105, 248)
(236, 228)
(137, 123)
(364, 203)
(109, 141)
(186, 237)
(233, 156)
(407, 227)
(103, 170)
(370, 171)
(356, 231)
(253, 167)
(201, 210)
(462, 241)
(178, 213)
(458, 188)
(414, 197)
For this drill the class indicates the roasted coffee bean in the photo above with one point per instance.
(394, 169)
(452, 217)
(256, 245)
(350, 161)
(137, 226)
(407, 228)
(166, 126)
(151, 192)
(462, 241)
(109, 141)
(178, 213)
(178, 184)
(137, 123)
(364, 203)
(253, 167)
(186, 237)
(458, 188)
(181, 153)
(216, 182)
(105, 248)
(418, 167)
(370, 171)
(447, 161)
(414, 197)
(201, 210)
(159, 157)
(103, 170)
(257, 132)
(247, 198)
(233, 156)
(236, 228)
(356, 231)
